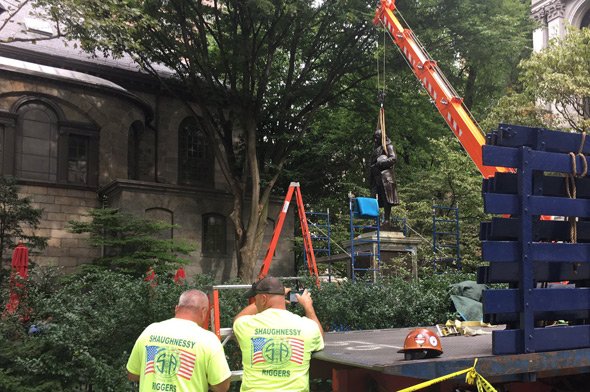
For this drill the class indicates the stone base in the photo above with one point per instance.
(392, 244)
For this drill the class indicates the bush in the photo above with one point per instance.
(393, 303)
(81, 331)
(131, 244)
(82, 327)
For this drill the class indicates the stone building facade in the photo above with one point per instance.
(80, 132)
(554, 15)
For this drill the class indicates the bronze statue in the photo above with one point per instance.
(382, 178)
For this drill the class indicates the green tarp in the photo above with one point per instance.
(466, 297)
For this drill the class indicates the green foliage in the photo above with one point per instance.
(263, 67)
(18, 218)
(558, 77)
(132, 244)
(392, 303)
(87, 326)
(522, 109)
(477, 43)
(451, 180)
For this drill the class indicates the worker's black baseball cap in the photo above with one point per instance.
(268, 285)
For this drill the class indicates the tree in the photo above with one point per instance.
(258, 71)
(477, 43)
(556, 79)
(451, 180)
(131, 244)
(18, 218)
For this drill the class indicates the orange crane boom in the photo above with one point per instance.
(445, 98)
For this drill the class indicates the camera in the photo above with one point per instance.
(292, 297)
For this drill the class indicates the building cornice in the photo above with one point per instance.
(119, 185)
(116, 186)
(549, 11)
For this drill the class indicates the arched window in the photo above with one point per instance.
(214, 239)
(161, 215)
(36, 152)
(78, 154)
(48, 148)
(141, 156)
(133, 141)
(195, 159)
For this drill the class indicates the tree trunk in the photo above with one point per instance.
(470, 87)
(250, 242)
(248, 235)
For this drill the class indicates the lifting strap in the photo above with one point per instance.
(381, 126)
(381, 98)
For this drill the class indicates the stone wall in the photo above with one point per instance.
(59, 207)
(113, 112)
(185, 207)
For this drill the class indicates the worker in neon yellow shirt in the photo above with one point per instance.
(177, 355)
(276, 344)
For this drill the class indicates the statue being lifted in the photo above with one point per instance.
(382, 178)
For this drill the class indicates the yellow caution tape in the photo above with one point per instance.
(472, 378)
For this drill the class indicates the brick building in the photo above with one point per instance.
(80, 132)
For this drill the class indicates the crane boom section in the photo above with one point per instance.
(440, 90)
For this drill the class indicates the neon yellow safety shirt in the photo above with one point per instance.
(177, 355)
(276, 349)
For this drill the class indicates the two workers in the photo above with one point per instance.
(276, 344)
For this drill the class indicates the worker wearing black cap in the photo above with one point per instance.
(276, 344)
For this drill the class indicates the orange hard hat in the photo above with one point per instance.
(421, 343)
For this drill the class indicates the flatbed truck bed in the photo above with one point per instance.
(369, 359)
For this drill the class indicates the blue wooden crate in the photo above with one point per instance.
(532, 249)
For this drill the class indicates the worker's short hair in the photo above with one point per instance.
(194, 299)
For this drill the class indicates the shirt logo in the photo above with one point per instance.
(167, 363)
(151, 355)
(277, 351)
(257, 346)
(297, 350)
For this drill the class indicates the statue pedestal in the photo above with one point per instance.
(393, 246)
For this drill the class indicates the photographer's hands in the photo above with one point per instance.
(304, 299)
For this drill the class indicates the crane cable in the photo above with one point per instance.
(381, 96)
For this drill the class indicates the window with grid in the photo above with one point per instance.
(195, 157)
(78, 151)
(45, 148)
(36, 150)
(214, 234)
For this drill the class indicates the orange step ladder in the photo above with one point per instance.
(225, 334)
(294, 187)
